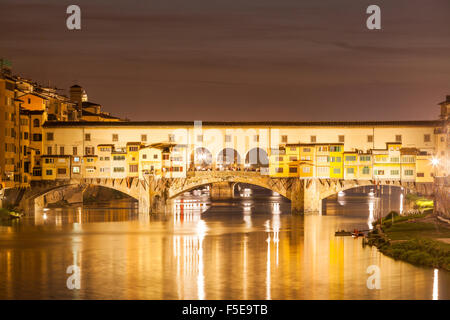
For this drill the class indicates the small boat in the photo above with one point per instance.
(14, 215)
(342, 233)
(357, 234)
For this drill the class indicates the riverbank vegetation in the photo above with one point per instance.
(419, 239)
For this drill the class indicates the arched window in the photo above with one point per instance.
(36, 123)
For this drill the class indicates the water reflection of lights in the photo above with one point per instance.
(341, 193)
(436, 285)
(276, 208)
(275, 239)
(188, 252)
(371, 213)
(247, 207)
(188, 207)
(401, 203)
(246, 193)
(268, 275)
(44, 216)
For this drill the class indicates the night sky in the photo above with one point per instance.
(245, 60)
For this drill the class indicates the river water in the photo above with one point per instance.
(247, 248)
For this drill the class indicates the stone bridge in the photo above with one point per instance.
(153, 193)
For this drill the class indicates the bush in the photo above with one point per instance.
(390, 214)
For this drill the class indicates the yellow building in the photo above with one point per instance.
(351, 165)
(365, 166)
(278, 162)
(386, 162)
(408, 164)
(425, 171)
(336, 161)
(55, 167)
(322, 161)
(9, 133)
(104, 152)
(307, 157)
(133, 158)
(89, 168)
(150, 160)
(34, 102)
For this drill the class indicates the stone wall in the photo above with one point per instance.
(442, 199)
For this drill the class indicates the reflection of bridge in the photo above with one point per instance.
(306, 195)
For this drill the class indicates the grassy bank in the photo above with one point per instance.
(419, 239)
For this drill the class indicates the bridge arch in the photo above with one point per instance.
(257, 157)
(201, 158)
(228, 156)
(35, 196)
(329, 187)
(282, 186)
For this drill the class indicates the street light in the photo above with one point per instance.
(434, 161)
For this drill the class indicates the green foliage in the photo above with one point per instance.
(422, 252)
(390, 214)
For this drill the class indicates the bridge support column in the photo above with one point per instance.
(305, 197)
(152, 196)
(222, 190)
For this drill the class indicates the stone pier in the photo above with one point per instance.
(222, 190)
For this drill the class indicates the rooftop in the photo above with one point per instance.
(417, 123)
